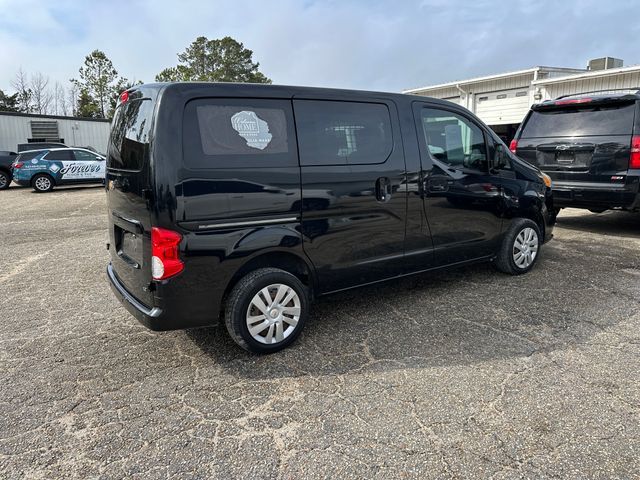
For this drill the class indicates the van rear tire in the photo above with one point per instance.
(520, 249)
(266, 310)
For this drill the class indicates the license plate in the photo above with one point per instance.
(565, 157)
(132, 246)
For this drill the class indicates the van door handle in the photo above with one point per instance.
(383, 189)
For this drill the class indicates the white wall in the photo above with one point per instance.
(514, 110)
(599, 82)
(15, 129)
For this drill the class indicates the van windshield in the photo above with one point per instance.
(570, 122)
(129, 140)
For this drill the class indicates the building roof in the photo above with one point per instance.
(588, 74)
(57, 117)
(516, 73)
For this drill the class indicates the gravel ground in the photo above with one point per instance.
(461, 374)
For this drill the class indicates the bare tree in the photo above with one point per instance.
(72, 97)
(25, 95)
(59, 100)
(41, 94)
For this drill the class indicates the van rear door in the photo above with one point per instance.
(586, 142)
(128, 185)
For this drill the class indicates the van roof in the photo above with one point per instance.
(269, 90)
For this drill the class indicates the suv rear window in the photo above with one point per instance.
(571, 122)
(129, 141)
(29, 155)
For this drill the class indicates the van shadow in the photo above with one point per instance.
(460, 317)
(612, 222)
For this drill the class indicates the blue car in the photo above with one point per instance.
(45, 169)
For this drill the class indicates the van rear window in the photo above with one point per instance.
(238, 133)
(571, 122)
(129, 141)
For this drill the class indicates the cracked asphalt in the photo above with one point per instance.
(461, 374)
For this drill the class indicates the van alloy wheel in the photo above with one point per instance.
(4, 181)
(273, 313)
(525, 247)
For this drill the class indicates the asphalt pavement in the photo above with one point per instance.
(461, 374)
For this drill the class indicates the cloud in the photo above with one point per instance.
(375, 44)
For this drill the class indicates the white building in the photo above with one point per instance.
(503, 100)
(18, 128)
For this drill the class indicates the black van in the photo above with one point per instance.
(589, 144)
(244, 202)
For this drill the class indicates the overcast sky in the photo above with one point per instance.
(381, 45)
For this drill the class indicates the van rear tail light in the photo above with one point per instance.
(513, 146)
(634, 161)
(18, 165)
(165, 260)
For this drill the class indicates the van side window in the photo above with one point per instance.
(130, 132)
(237, 133)
(342, 133)
(454, 140)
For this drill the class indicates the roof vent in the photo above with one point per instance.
(604, 63)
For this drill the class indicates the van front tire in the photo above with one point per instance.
(520, 247)
(266, 310)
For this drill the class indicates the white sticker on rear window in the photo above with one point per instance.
(253, 129)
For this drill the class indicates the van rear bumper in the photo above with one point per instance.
(174, 312)
(594, 195)
(149, 317)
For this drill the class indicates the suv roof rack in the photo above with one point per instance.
(631, 91)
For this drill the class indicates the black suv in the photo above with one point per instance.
(244, 202)
(589, 144)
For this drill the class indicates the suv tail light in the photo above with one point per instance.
(634, 160)
(18, 165)
(165, 262)
(513, 146)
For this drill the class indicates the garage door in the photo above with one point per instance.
(455, 100)
(499, 108)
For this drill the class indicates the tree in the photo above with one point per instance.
(59, 100)
(8, 103)
(21, 85)
(87, 106)
(179, 73)
(219, 60)
(97, 81)
(72, 98)
(40, 93)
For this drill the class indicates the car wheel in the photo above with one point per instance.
(42, 183)
(5, 180)
(266, 310)
(520, 247)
